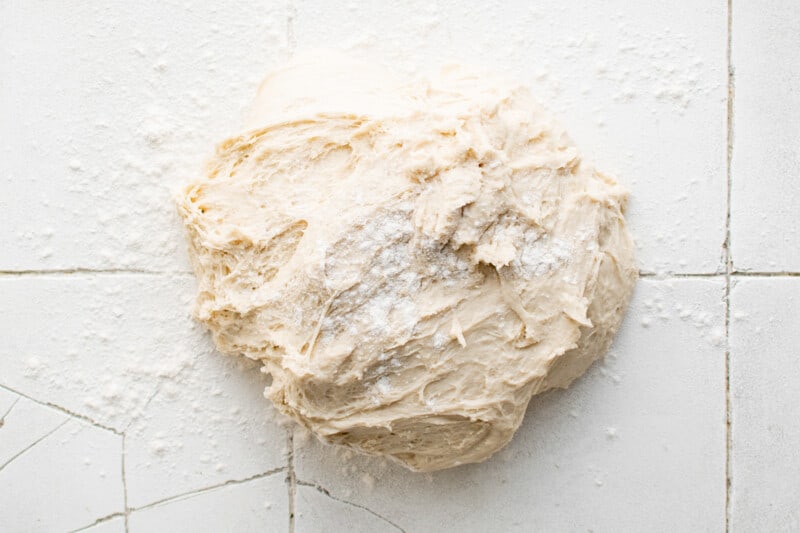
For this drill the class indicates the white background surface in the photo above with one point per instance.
(117, 414)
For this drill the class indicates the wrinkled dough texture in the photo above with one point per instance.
(410, 261)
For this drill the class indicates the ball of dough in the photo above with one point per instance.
(410, 261)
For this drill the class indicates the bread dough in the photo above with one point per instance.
(410, 261)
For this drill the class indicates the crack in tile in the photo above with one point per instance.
(8, 411)
(204, 490)
(33, 444)
(64, 410)
(99, 521)
(156, 391)
(144, 407)
(327, 493)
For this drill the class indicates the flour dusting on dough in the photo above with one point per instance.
(411, 262)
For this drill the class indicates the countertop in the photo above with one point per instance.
(117, 414)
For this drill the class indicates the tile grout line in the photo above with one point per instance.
(748, 274)
(156, 273)
(682, 275)
(729, 272)
(125, 485)
(728, 260)
(101, 520)
(80, 271)
(291, 480)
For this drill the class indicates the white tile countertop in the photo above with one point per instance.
(117, 414)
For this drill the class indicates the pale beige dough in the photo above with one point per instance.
(410, 261)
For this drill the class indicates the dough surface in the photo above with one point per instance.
(411, 261)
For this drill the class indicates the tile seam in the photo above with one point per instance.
(127, 513)
(291, 478)
(155, 273)
(291, 481)
(729, 271)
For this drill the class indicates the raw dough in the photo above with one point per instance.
(410, 261)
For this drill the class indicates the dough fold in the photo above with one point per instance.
(411, 262)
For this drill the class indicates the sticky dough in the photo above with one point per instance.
(410, 261)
